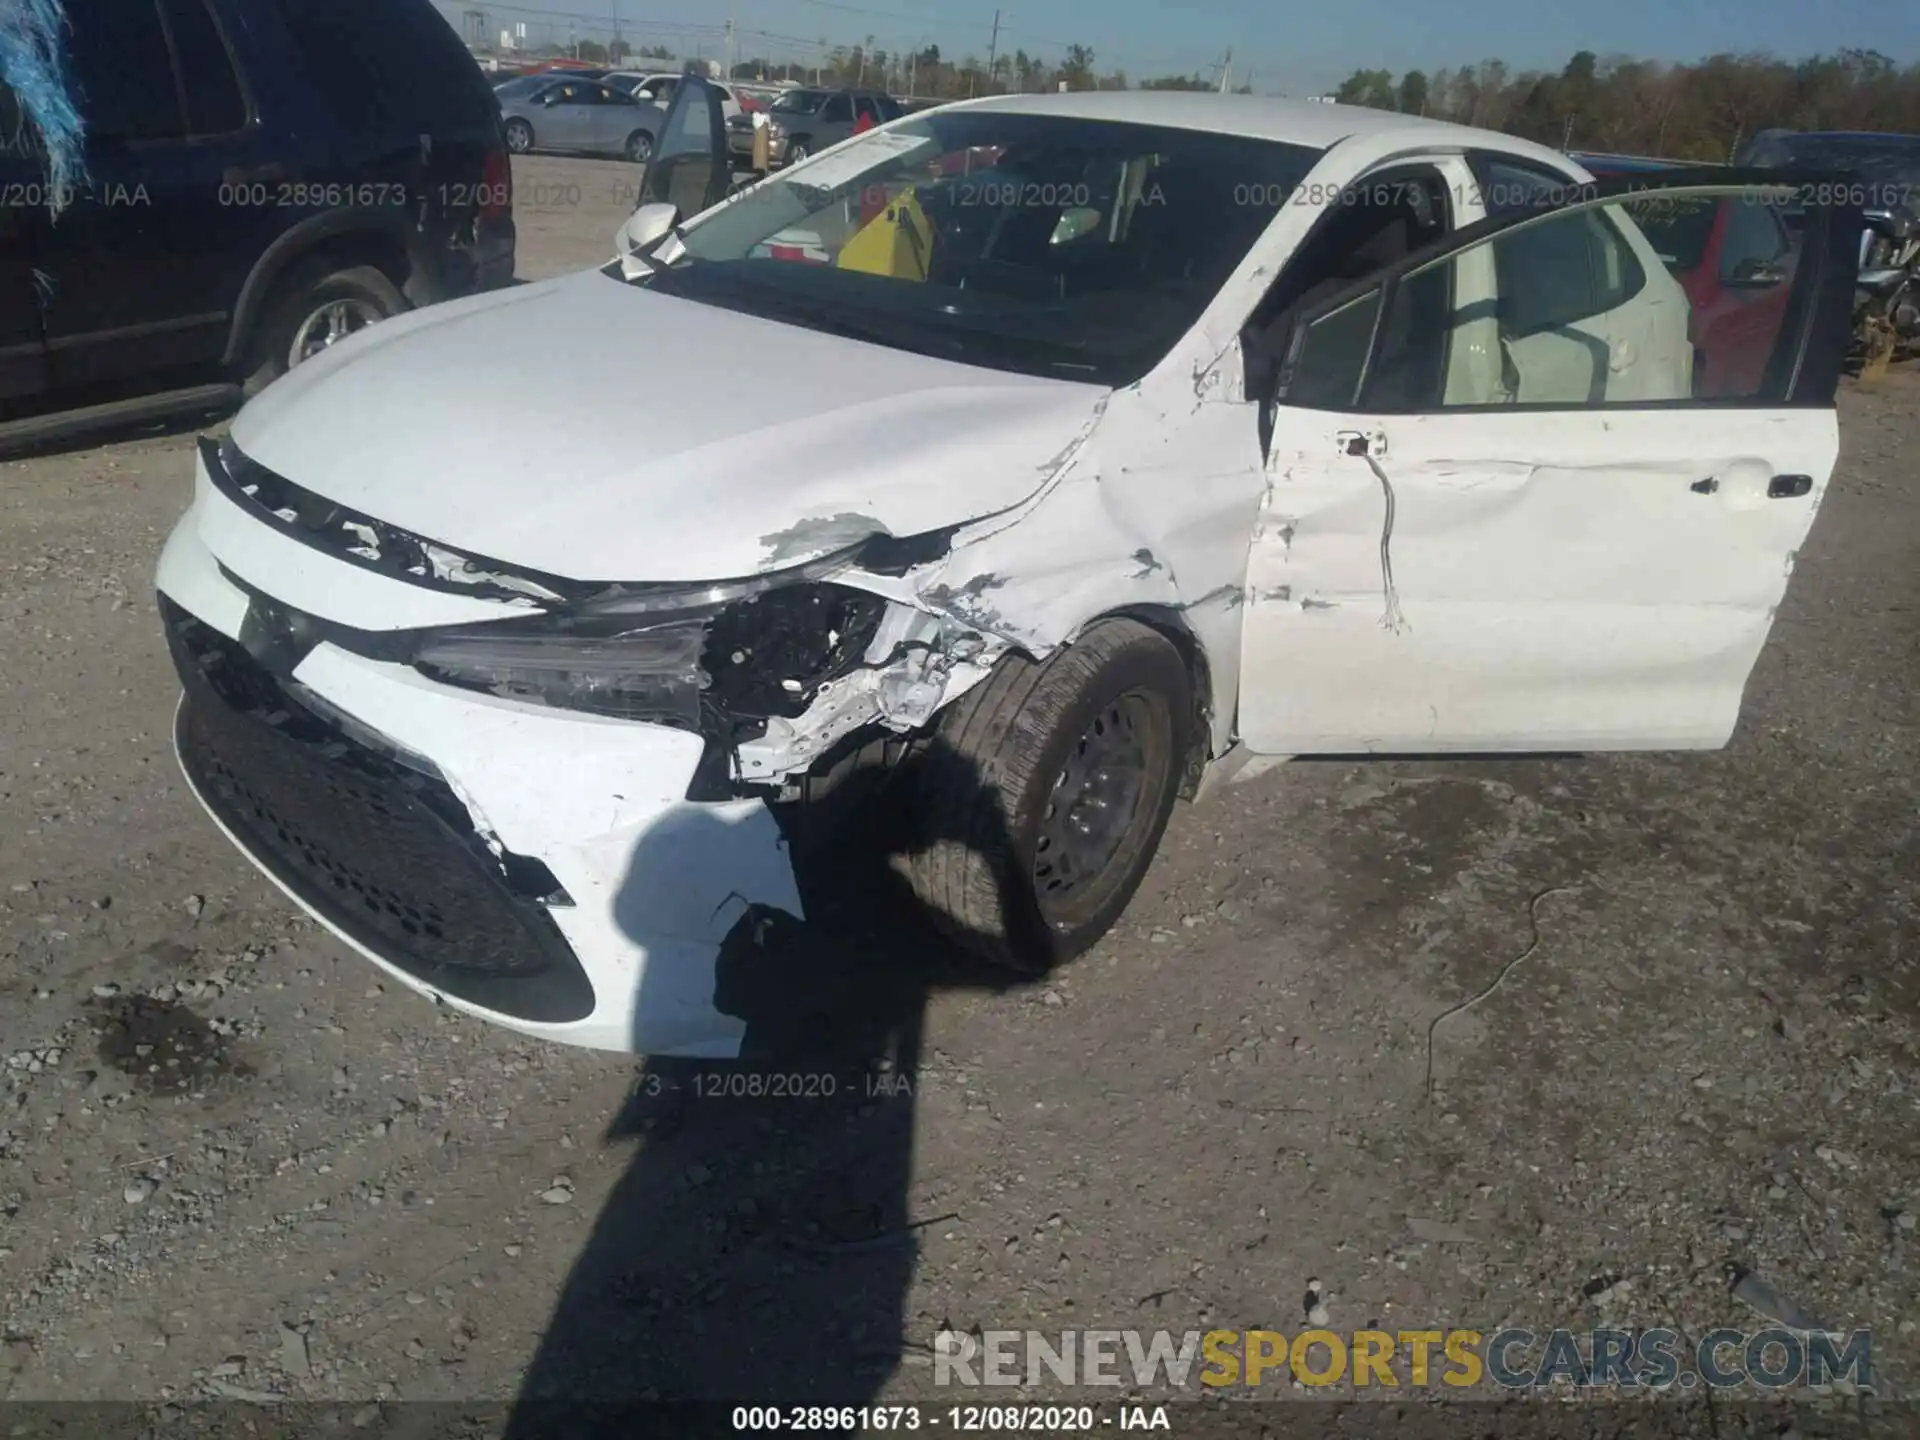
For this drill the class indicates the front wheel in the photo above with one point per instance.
(797, 151)
(639, 148)
(519, 136)
(1038, 806)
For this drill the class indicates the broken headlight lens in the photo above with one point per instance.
(675, 654)
(651, 674)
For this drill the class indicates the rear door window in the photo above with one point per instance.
(387, 65)
(215, 105)
(838, 108)
(123, 83)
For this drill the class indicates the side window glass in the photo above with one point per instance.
(214, 103)
(837, 109)
(123, 82)
(1329, 357)
(1561, 271)
(863, 109)
(1560, 312)
(1751, 250)
(1510, 189)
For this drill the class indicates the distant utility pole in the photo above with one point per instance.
(1226, 71)
(993, 46)
(729, 51)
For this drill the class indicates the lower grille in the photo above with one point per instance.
(382, 851)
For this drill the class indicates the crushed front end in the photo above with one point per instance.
(539, 800)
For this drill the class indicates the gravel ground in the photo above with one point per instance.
(233, 1162)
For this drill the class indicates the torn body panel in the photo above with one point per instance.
(1149, 513)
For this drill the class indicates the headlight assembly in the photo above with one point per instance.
(651, 673)
(697, 657)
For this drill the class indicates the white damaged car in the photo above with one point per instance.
(1093, 444)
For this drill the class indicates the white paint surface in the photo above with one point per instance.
(1557, 583)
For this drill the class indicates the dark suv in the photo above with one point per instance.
(802, 122)
(262, 178)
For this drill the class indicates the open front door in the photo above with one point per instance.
(689, 168)
(1503, 515)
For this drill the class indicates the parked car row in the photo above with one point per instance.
(565, 112)
(802, 121)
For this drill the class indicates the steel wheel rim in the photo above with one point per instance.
(1094, 807)
(329, 325)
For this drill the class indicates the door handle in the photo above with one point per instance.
(1780, 487)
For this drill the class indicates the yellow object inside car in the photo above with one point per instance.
(898, 242)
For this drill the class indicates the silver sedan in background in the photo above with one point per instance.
(565, 113)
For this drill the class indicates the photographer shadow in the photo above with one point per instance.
(761, 1244)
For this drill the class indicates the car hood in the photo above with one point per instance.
(592, 429)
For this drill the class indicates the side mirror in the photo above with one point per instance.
(645, 226)
(1756, 275)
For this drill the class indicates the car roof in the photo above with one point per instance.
(1259, 117)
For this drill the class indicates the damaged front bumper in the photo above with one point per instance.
(567, 874)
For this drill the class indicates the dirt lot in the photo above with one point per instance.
(232, 1162)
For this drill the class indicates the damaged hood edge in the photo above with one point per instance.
(654, 462)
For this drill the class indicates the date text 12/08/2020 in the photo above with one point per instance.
(961, 1419)
(730, 1084)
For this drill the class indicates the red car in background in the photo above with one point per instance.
(1735, 260)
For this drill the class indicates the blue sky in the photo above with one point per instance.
(1295, 49)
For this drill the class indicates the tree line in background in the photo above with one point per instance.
(1697, 111)
(924, 73)
(1620, 105)
(928, 74)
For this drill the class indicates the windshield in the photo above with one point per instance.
(1051, 245)
(798, 102)
(519, 85)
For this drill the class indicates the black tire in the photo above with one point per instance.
(639, 147)
(358, 290)
(519, 137)
(982, 800)
(797, 150)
